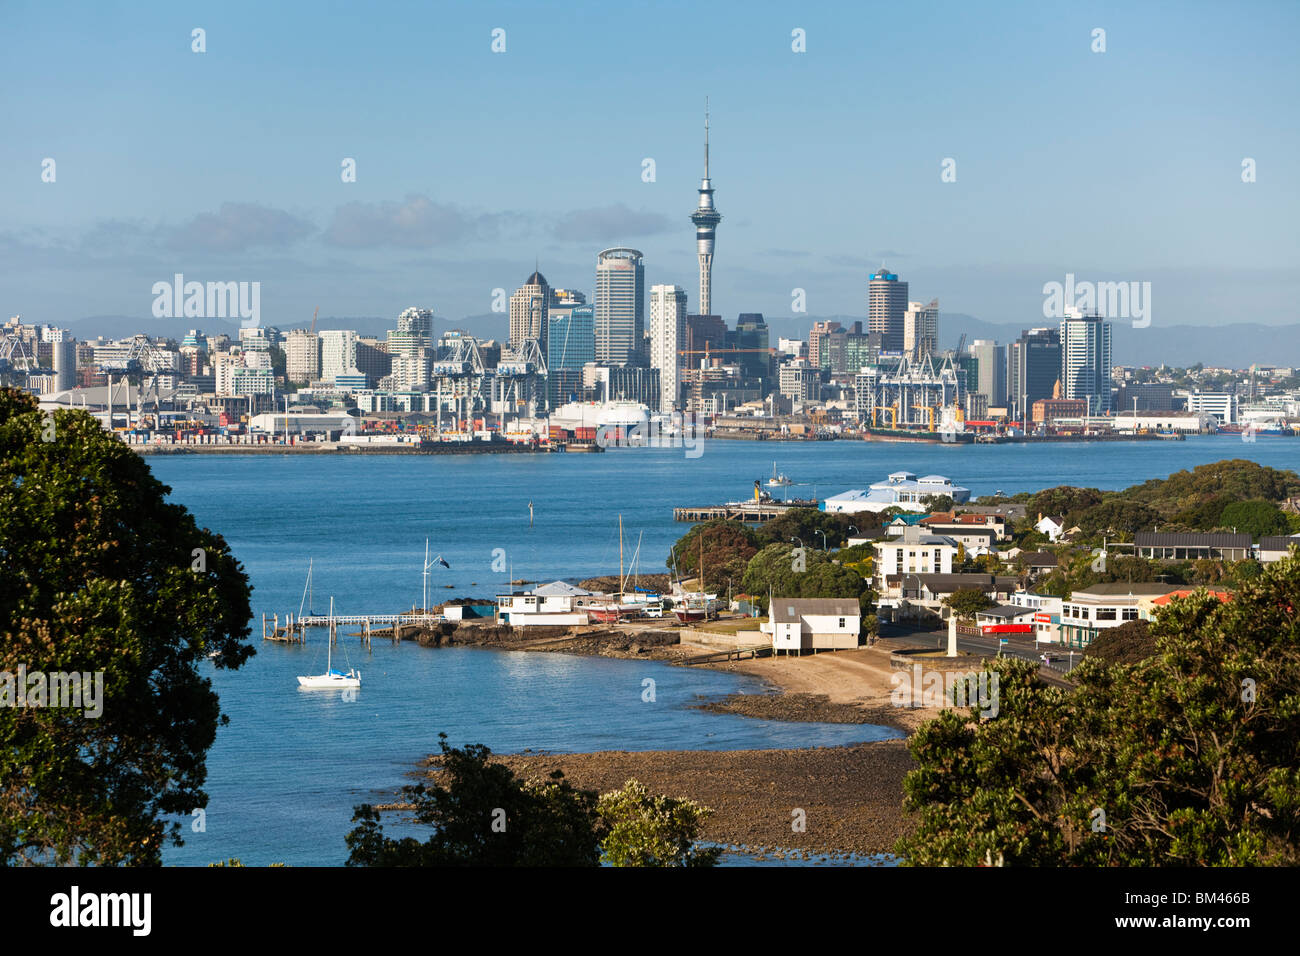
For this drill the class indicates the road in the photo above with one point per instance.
(1017, 645)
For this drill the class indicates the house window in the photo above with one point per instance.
(1130, 613)
(1105, 614)
(841, 623)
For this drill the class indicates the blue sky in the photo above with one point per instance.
(225, 165)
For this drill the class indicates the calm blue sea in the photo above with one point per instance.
(284, 775)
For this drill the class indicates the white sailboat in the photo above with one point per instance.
(331, 677)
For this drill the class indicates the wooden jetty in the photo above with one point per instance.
(755, 512)
(294, 630)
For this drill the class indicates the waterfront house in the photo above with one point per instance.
(1192, 546)
(902, 490)
(800, 624)
(555, 604)
(1088, 612)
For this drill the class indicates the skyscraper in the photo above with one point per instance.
(570, 344)
(921, 329)
(815, 337)
(1033, 369)
(886, 306)
(991, 371)
(1085, 361)
(667, 339)
(528, 309)
(620, 306)
(706, 220)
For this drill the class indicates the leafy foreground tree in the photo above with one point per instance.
(99, 574)
(649, 830)
(487, 816)
(1186, 758)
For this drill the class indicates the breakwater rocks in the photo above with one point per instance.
(593, 641)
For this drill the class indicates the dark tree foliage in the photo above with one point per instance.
(1129, 643)
(1061, 500)
(728, 546)
(485, 816)
(1118, 516)
(1185, 758)
(99, 573)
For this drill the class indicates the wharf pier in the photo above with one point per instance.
(294, 630)
(755, 512)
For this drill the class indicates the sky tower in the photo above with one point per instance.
(706, 219)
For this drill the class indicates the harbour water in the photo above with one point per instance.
(286, 772)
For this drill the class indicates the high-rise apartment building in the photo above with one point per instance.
(620, 306)
(338, 353)
(302, 356)
(667, 340)
(1085, 361)
(886, 308)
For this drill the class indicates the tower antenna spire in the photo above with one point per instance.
(706, 137)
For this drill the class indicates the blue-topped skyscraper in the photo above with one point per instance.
(706, 220)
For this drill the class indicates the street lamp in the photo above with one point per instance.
(800, 540)
(823, 534)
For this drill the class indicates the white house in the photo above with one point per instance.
(1047, 613)
(799, 624)
(1051, 525)
(556, 603)
(915, 551)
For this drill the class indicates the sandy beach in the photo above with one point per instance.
(850, 797)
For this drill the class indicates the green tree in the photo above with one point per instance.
(967, 602)
(485, 816)
(1184, 758)
(728, 546)
(648, 830)
(1255, 518)
(782, 570)
(99, 574)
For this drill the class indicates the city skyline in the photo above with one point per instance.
(424, 222)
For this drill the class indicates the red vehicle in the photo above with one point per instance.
(1007, 629)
